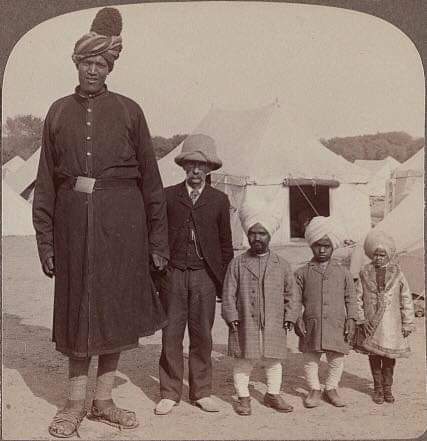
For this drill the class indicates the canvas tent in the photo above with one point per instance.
(404, 177)
(380, 171)
(405, 223)
(16, 213)
(22, 180)
(266, 152)
(12, 165)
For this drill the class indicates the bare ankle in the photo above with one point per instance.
(103, 404)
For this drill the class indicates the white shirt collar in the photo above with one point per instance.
(190, 189)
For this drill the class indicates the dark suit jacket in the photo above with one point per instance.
(211, 216)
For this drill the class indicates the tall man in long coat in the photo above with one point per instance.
(100, 217)
(201, 248)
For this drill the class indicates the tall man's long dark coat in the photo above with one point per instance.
(101, 241)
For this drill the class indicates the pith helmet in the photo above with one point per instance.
(201, 148)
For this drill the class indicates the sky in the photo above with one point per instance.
(343, 73)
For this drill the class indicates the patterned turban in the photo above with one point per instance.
(103, 39)
(321, 226)
(378, 239)
(255, 210)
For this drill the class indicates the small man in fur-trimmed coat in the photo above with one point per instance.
(386, 310)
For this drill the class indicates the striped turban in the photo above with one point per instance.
(378, 239)
(321, 226)
(103, 39)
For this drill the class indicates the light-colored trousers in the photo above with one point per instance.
(242, 370)
(335, 368)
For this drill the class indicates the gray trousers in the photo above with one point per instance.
(189, 297)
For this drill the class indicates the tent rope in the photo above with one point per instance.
(307, 199)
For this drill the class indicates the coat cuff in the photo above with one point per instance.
(353, 313)
(408, 327)
(230, 317)
(290, 317)
(159, 250)
(45, 251)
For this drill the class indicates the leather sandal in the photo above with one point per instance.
(66, 423)
(114, 416)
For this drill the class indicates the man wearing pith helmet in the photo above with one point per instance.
(200, 249)
(100, 218)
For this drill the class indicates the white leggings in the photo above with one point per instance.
(335, 368)
(242, 370)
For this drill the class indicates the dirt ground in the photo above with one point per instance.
(34, 381)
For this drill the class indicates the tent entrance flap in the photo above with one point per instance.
(306, 202)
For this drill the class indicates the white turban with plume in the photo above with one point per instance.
(257, 209)
(321, 226)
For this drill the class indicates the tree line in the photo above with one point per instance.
(22, 136)
(398, 145)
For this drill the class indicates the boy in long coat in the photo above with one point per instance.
(386, 309)
(326, 290)
(259, 306)
(100, 215)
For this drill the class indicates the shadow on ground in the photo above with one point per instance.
(29, 350)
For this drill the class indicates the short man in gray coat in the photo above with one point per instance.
(259, 305)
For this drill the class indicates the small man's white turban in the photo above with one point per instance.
(379, 239)
(256, 210)
(323, 226)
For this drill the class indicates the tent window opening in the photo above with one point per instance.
(306, 202)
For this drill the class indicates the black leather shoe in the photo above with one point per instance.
(243, 407)
(276, 402)
(378, 396)
(313, 398)
(388, 396)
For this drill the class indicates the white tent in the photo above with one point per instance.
(16, 213)
(380, 171)
(26, 175)
(405, 223)
(404, 177)
(12, 165)
(266, 151)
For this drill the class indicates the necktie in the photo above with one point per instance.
(194, 194)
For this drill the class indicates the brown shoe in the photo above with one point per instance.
(332, 397)
(313, 398)
(243, 407)
(276, 402)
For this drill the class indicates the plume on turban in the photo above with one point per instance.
(103, 39)
(321, 226)
(378, 239)
(255, 209)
